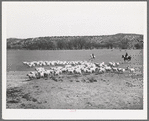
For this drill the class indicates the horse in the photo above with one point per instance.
(128, 58)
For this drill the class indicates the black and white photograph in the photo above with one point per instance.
(74, 60)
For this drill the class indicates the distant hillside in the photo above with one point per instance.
(122, 41)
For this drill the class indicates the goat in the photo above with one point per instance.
(32, 75)
(121, 70)
(115, 69)
(130, 69)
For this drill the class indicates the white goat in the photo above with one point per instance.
(130, 69)
(32, 75)
(101, 70)
(115, 69)
(117, 63)
(78, 71)
(107, 68)
(102, 64)
(121, 70)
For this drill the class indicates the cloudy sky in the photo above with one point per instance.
(36, 19)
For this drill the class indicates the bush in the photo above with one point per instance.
(139, 46)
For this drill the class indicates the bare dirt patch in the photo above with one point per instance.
(103, 91)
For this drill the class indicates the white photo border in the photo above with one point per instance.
(68, 114)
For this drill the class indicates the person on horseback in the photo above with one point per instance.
(92, 57)
(126, 55)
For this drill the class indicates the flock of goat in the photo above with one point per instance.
(72, 67)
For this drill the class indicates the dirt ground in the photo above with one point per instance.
(94, 91)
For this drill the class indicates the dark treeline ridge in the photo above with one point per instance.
(117, 41)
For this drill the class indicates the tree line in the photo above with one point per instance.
(74, 43)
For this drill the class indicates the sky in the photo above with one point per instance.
(39, 19)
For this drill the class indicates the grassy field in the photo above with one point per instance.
(92, 91)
